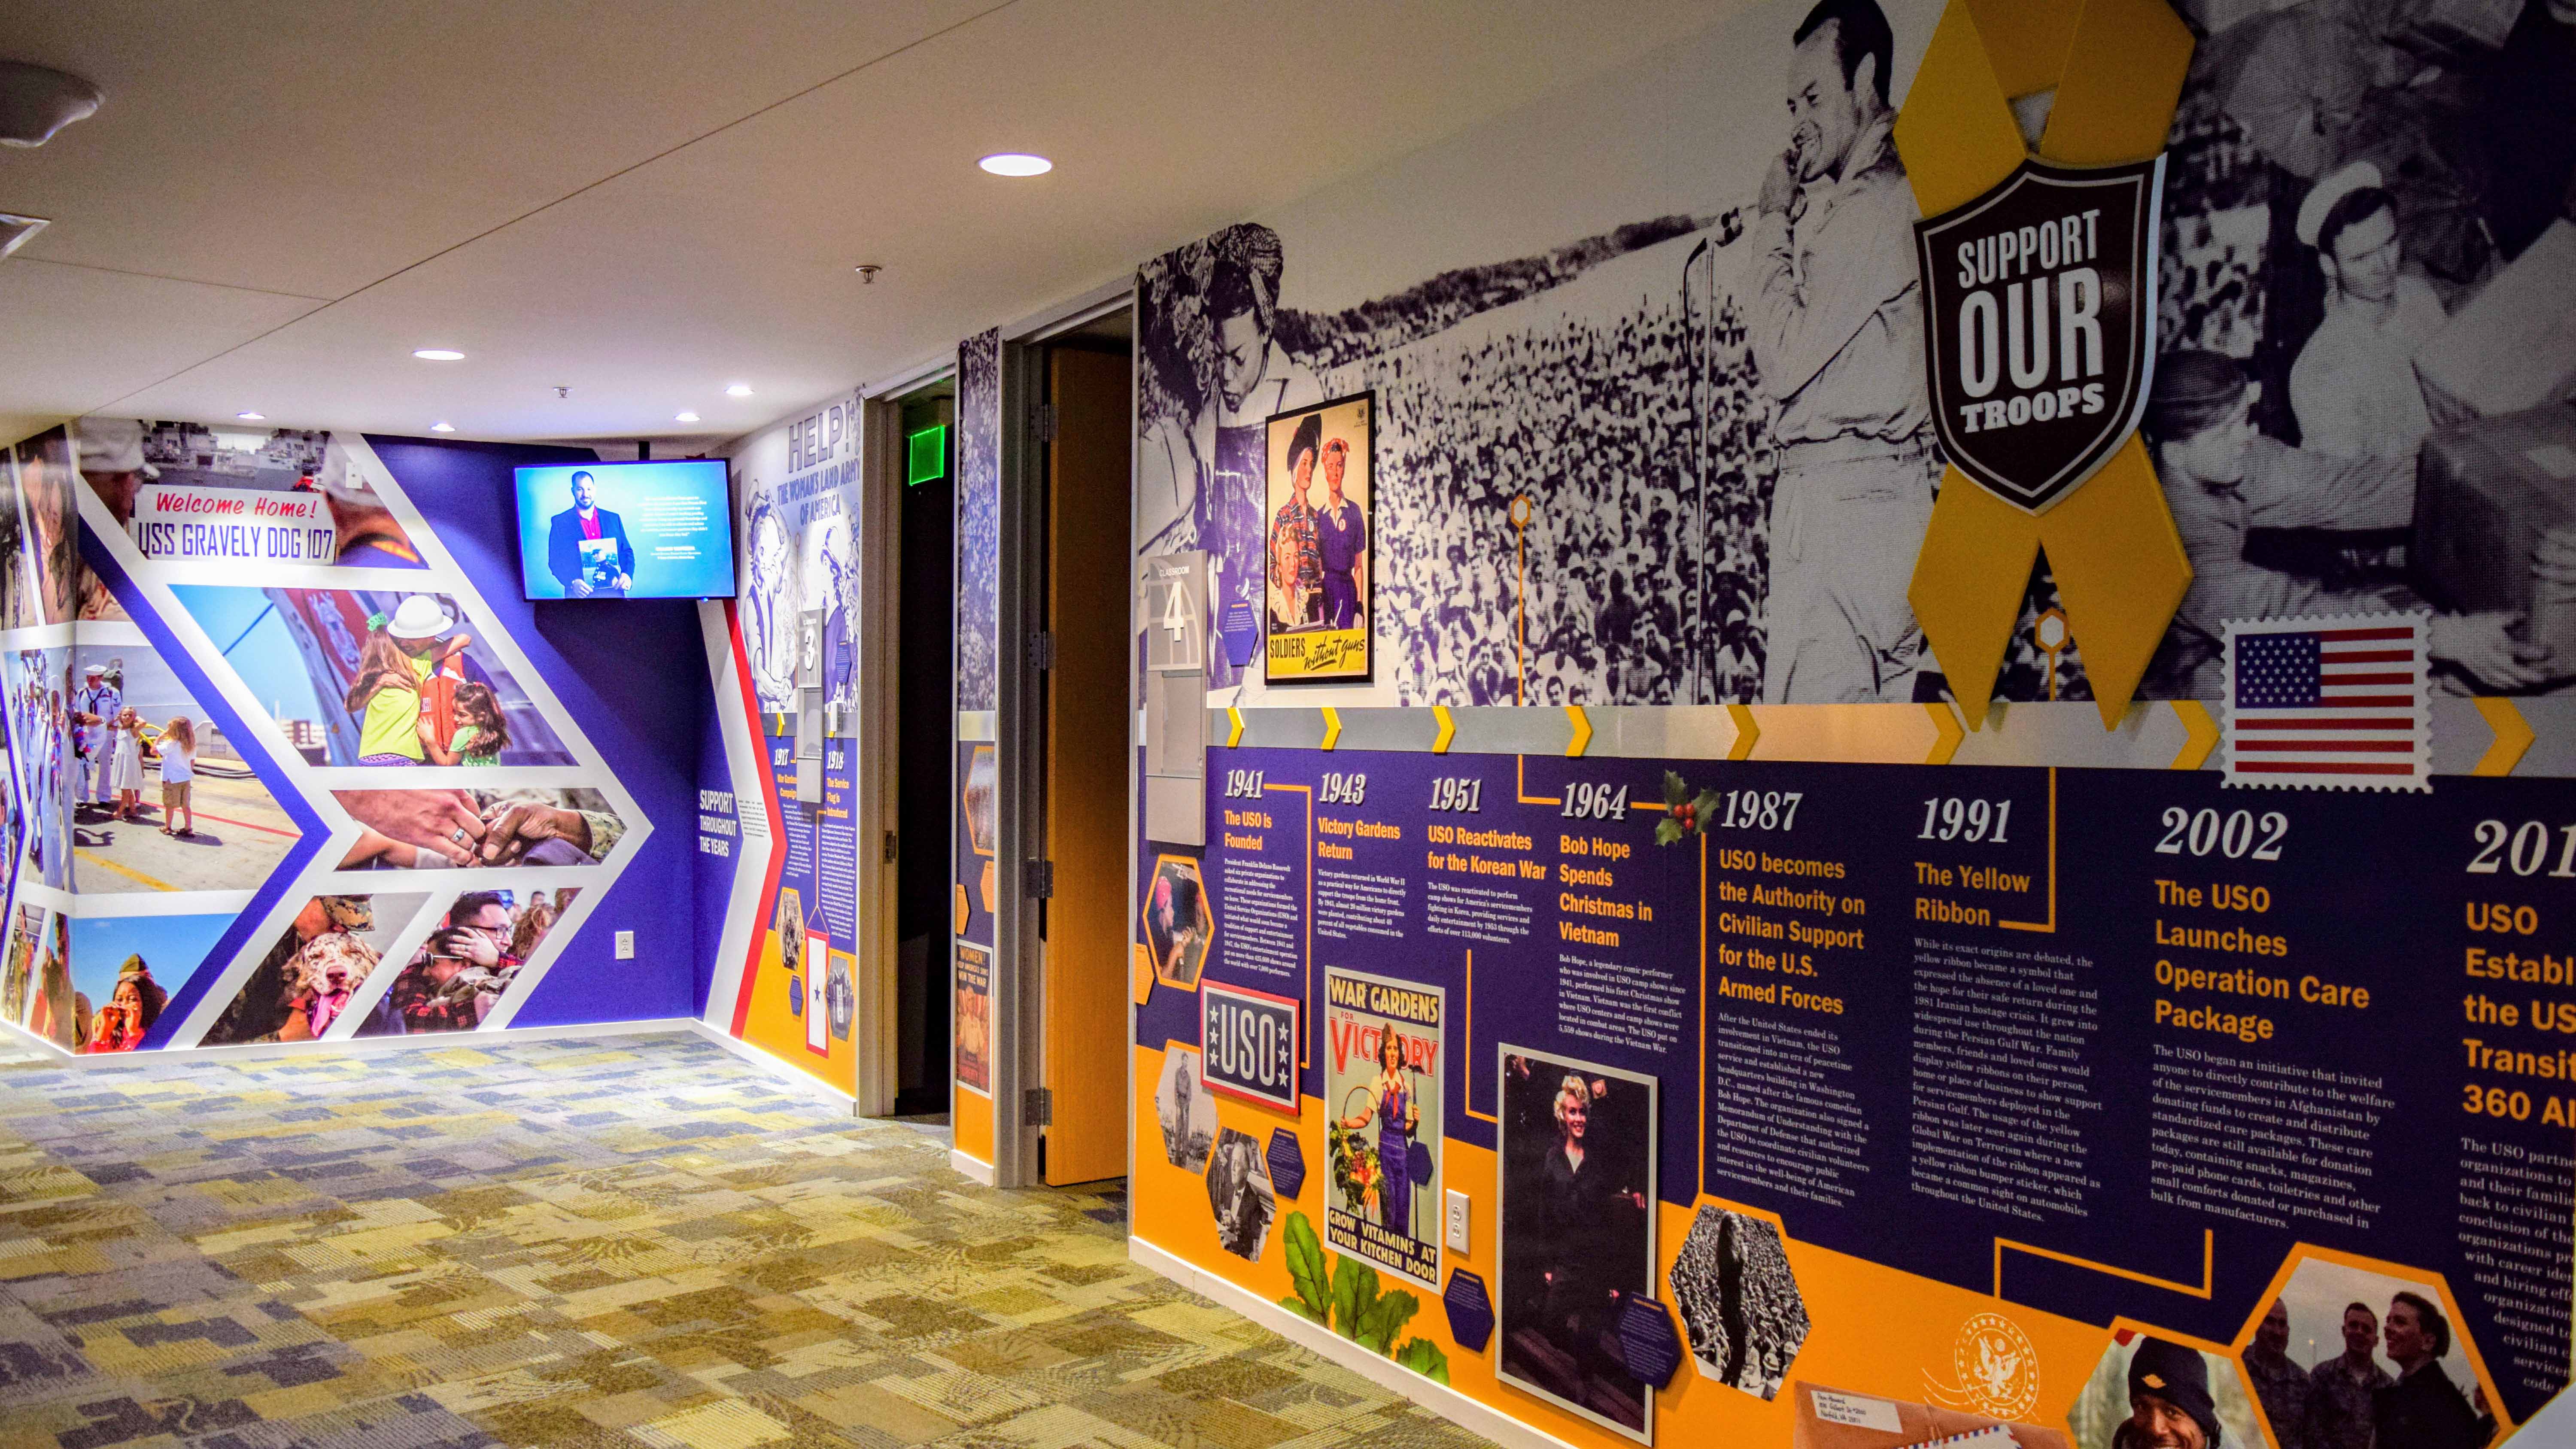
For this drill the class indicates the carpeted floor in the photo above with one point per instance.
(633, 1241)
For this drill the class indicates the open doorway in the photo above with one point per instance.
(1084, 925)
(923, 671)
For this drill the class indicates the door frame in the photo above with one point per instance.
(875, 1064)
(1019, 996)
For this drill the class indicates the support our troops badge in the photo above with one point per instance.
(2039, 288)
(2041, 324)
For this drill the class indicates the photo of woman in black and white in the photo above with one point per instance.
(1578, 1164)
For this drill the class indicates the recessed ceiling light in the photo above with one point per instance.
(252, 417)
(438, 354)
(687, 418)
(442, 427)
(1016, 163)
(739, 389)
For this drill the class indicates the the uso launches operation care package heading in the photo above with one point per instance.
(2097, 1012)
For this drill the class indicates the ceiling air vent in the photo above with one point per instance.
(14, 231)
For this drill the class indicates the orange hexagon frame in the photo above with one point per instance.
(1180, 964)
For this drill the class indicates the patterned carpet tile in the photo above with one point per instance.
(640, 1241)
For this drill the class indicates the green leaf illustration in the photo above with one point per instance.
(1667, 830)
(1425, 1358)
(1308, 1272)
(1354, 1296)
(1675, 791)
(1379, 1327)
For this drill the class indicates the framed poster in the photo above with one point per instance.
(972, 989)
(1316, 541)
(1382, 1094)
(1577, 1240)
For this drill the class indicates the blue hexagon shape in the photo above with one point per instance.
(1646, 1336)
(1287, 1163)
(1471, 1310)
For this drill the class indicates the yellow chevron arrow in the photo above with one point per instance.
(1448, 729)
(2203, 732)
(1582, 731)
(1746, 731)
(1951, 733)
(1234, 736)
(1332, 726)
(2512, 736)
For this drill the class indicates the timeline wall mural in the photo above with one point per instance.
(1948, 823)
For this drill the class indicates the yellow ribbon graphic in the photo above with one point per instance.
(2117, 66)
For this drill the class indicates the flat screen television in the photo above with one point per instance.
(626, 531)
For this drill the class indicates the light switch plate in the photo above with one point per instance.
(626, 945)
(1457, 1221)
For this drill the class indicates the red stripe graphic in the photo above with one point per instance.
(2320, 767)
(768, 782)
(2325, 724)
(2381, 747)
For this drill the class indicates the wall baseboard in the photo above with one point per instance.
(1469, 1414)
(970, 1168)
(772, 1065)
(369, 1045)
(365, 1045)
(12, 1031)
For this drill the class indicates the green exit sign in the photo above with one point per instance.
(928, 457)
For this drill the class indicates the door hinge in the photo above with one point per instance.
(1042, 422)
(1042, 649)
(1041, 880)
(1038, 1107)
(890, 854)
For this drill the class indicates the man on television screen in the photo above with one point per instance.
(586, 547)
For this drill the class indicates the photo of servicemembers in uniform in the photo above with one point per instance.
(1185, 1109)
(2349, 1357)
(1317, 542)
(1577, 1240)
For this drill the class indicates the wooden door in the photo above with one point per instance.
(1084, 942)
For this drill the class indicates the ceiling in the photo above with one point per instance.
(650, 201)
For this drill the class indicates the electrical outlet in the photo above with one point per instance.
(1457, 1221)
(626, 945)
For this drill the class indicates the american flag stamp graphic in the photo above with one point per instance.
(2332, 703)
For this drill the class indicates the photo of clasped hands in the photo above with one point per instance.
(431, 829)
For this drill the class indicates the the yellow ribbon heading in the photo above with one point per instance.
(2117, 66)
